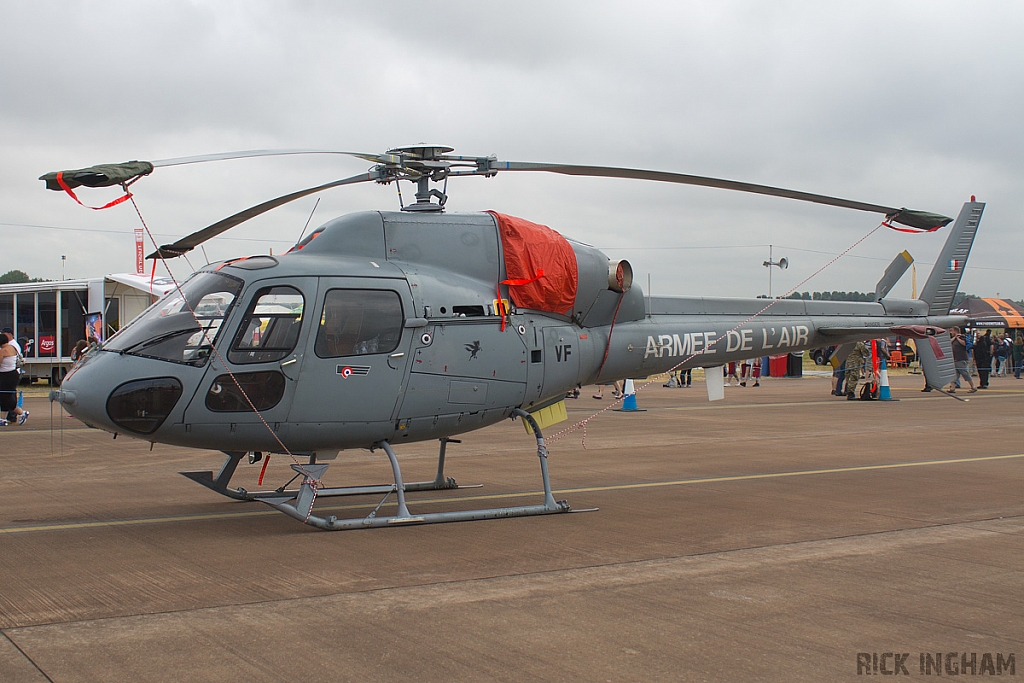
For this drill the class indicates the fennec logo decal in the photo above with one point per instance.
(473, 349)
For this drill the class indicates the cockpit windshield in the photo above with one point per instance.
(183, 326)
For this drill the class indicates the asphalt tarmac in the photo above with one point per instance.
(779, 535)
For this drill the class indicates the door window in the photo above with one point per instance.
(359, 321)
(270, 328)
(245, 391)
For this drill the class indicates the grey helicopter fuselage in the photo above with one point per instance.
(386, 326)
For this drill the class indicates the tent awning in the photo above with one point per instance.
(157, 286)
(991, 313)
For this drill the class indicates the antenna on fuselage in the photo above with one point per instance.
(308, 220)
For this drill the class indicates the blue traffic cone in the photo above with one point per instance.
(629, 400)
(883, 378)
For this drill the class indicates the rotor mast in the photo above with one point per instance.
(420, 164)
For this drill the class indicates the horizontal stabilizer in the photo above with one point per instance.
(911, 331)
(867, 332)
(918, 331)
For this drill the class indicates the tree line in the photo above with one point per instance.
(14, 277)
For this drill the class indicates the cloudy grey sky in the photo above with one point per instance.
(914, 104)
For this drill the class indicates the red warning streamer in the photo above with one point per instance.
(910, 230)
(60, 180)
(263, 470)
(513, 283)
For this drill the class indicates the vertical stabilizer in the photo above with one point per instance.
(945, 277)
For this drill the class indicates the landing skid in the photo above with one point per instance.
(300, 505)
(220, 482)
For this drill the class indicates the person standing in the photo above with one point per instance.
(751, 368)
(19, 356)
(14, 342)
(1017, 353)
(616, 389)
(9, 376)
(1003, 353)
(731, 374)
(997, 354)
(983, 358)
(838, 375)
(856, 366)
(80, 350)
(959, 359)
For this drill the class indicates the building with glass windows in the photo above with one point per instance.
(49, 318)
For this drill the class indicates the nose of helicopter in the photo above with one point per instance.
(95, 392)
(81, 393)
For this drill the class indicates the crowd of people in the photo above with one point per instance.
(748, 370)
(977, 353)
(985, 354)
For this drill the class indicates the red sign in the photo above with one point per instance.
(140, 260)
(47, 346)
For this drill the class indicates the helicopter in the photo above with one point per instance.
(382, 328)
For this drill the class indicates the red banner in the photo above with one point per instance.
(140, 260)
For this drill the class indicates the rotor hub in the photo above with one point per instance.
(421, 164)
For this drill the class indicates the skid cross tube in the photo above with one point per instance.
(219, 483)
(300, 506)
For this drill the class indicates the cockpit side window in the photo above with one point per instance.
(271, 326)
(183, 326)
(356, 322)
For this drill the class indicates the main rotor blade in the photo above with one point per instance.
(190, 242)
(104, 175)
(921, 220)
(222, 156)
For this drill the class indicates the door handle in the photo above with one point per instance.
(286, 367)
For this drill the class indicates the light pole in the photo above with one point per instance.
(63, 259)
(782, 263)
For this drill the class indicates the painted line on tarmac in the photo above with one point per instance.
(797, 473)
(202, 517)
(792, 404)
